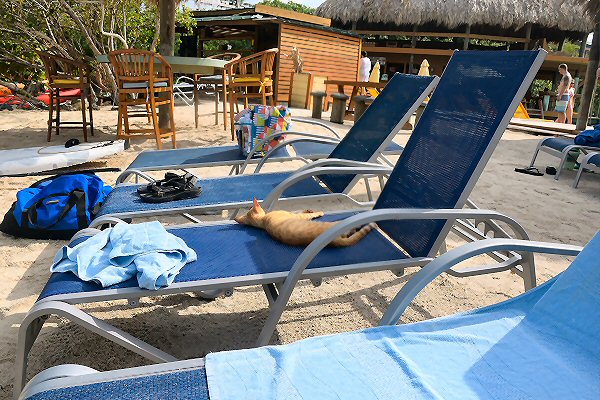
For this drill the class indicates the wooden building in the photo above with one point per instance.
(400, 34)
(326, 51)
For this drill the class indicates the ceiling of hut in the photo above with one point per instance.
(568, 16)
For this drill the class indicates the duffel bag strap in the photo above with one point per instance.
(76, 199)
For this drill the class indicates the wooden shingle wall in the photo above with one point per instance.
(324, 53)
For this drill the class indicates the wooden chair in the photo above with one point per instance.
(218, 82)
(250, 77)
(143, 77)
(64, 74)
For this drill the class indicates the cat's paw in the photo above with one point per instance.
(307, 211)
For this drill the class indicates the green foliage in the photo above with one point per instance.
(290, 5)
(540, 85)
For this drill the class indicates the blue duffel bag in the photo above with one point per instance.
(56, 207)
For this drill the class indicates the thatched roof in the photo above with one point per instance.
(569, 16)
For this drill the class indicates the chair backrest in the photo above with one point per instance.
(376, 128)
(133, 65)
(59, 67)
(448, 149)
(258, 64)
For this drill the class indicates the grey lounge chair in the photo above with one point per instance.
(559, 147)
(591, 162)
(363, 144)
(423, 197)
(542, 344)
(304, 146)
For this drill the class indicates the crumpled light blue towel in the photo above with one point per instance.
(119, 253)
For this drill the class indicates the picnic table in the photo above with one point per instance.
(188, 65)
(356, 85)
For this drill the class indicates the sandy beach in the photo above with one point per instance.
(187, 326)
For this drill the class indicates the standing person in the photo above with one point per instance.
(364, 67)
(571, 104)
(562, 92)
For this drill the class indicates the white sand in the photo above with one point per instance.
(187, 326)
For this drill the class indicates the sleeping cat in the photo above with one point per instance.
(297, 229)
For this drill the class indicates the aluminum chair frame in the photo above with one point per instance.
(586, 164)
(561, 154)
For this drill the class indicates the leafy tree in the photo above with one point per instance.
(290, 5)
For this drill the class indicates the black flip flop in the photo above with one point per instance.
(171, 179)
(529, 171)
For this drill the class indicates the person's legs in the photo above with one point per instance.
(569, 112)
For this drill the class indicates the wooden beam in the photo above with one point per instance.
(528, 34)
(405, 50)
(166, 46)
(445, 34)
(583, 45)
(279, 12)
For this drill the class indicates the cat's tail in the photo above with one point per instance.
(355, 237)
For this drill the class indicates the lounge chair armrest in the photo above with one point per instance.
(276, 193)
(316, 138)
(355, 221)
(448, 260)
(339, 162)
(317, 123)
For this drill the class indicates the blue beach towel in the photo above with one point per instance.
(124, 251)
(543, 344)
(590, 137)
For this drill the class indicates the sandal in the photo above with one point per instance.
(173, 187)
(529, 171)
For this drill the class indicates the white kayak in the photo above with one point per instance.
(40, 159)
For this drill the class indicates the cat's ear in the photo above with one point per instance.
(256, 205)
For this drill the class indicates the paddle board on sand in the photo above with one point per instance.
(38, 159)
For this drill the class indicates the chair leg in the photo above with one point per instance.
(125, 116)
(272, 97)
(224, 100)
(50, 113)
(82, 97)
(155, 123)
(149, 113)
(231, 101)
(264, 97)
(216, 104)
(172, 122)
(196, 94)
(91, 109)
(57, 112)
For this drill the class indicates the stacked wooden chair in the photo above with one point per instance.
(64, 74)
(251, 77)
(144, 78)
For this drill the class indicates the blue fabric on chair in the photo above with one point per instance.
(239, 250)
(184, 385)
(216, 191)
(374, 127)
(595, 159)
(307, 149)
(558, 143)
(543, 344)
(446, 146)
(180, 158)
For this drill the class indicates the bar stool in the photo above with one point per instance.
(64, 74)
(338, 110)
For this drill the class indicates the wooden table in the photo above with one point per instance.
(188, 65)
(356, 85)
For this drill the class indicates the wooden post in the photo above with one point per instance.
(354, 26)
(590, 78)
(527, 35)
(583, 45)
(413, 44)
(561, 45)
(167, 45)
(466, 41)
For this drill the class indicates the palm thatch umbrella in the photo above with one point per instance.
(568, 15)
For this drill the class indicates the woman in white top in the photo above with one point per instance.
(364, 67)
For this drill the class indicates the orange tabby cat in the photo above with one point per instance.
(297, 229)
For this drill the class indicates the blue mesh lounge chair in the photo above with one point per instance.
(591, 162)
(542, 344)
(363, 144)
(405, 94)
(423, 197)
(559, 147)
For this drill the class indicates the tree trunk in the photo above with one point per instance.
(167, 45)
(590, 79)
